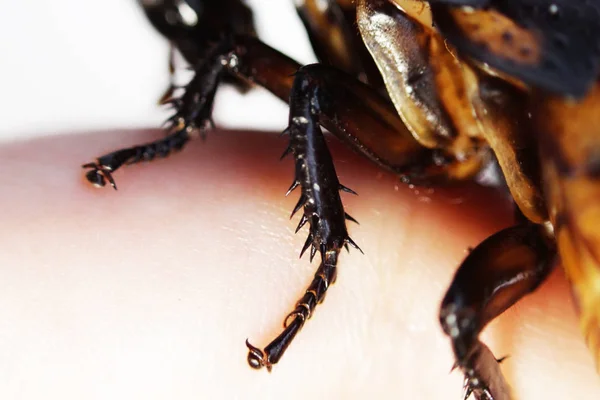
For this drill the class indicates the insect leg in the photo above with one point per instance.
(494, 276)
(323, 210)
(192, 116)
(315, 294)
(357, 115)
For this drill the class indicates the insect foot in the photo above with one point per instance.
(315, 294)
(101, 170)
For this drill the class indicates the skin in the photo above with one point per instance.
(149, 292)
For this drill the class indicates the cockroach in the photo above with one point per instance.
(433, 92)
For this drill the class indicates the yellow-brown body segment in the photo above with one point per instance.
(569, 135)
(547, 145)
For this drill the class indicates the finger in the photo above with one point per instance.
(152, 289)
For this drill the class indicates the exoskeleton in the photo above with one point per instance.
(433, 92)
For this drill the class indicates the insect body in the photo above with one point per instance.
(429, 92)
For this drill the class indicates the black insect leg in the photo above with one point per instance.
(192, 116)
(496, 274)
(101, 170)
(369, 124)
(315, 294)
(323, 210)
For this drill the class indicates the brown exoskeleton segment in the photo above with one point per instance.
(495, 275)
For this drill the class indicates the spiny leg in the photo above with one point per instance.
(193, 115)
(323, 210)
(368, 123)
(494, 276)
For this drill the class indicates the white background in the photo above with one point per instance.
(71, 66)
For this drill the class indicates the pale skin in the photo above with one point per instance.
(150, 292)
